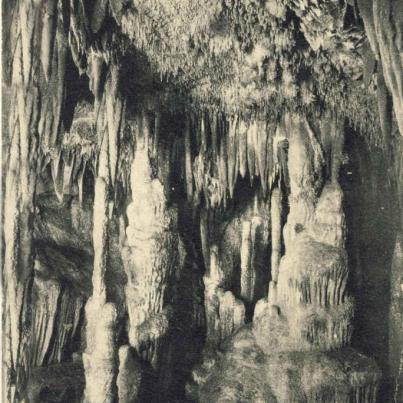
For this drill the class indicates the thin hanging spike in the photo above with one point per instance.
(223, 164)
(275, 210)
(213, 124)
(232, 154)
(261, 154)
(385, 109)
(269, 157)
(55, 168)
(27, 30)
(203, 136)
(188, 161)
(157, 129)
(96, 67)
(204, 235)
(68, 168)
(243, 150)
(80, 181)
(255, 140)
(114, 113)
(47, 39)
(196, 130)
(236, 151)
(251, 150)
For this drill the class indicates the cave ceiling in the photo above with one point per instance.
(240, 57)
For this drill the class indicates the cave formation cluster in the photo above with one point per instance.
(202, 201)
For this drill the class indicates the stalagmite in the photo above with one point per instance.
(129, 377)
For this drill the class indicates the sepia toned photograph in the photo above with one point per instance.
(202, 201)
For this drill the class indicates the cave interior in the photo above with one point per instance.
(202, 201)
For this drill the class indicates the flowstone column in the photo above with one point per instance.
(100, 358)
(311, 310)
(150, 255)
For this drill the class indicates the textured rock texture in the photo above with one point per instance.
(245, 373)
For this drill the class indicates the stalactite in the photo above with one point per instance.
(243, 151)
(385, 108)
(80, 180)
(188, 161)
(204, 236)
(50, 124)
(157, 130)
(96, 65)
(251, 135)
(47, 295)
(68, 316)
(232, 155)
(260, 150)
(214, 135)
(276, 211)
(56, 175)
(223, 169)
(114, 113)
(382, 20)
(388, 20)
(68, 171)
(49, 17)
(247, 269)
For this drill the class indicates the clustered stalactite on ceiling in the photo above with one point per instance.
(235, 129)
